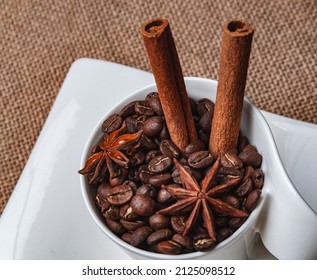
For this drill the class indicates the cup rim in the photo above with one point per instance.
(92, 209)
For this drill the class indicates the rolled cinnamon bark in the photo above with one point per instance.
(169, 79)
(234, 59)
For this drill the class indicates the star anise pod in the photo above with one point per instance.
(109, 152)
(202, 199)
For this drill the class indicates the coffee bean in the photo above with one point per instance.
(204, 137)
(242, 142)
(112, 213)
(168, 247)
(131, 225)
(221, 221)
(169, 149)
(185, 241)
(160, 164)
(232, 200)
(127, 237)
(252, 200)
(147, 143)
(195, 146)
(176, 178)
(148, 190)
(140, 121)
(204, 105)
(226, 174)
(131, 126)
(258, 178)
(178, 223)
(164, 196)
(202, 242)
(112, 123)
(250, 156)
(144, 173)
(126, 212)
(248, 173)
(140, 235)
(137, 159)
(143, 108)
(192, 103)
(224, 233)
(160, 179)
(120, 195)
(143, 205)
(151, 95)
(128, 110)
(115, 226)
(153, 126)
(236, 222)
(200, 159)
(159, 235)
(159, 221)
(101, 197)
(152, 154)
(231, 159)
(156, 106)
(205, 122)
(244, 188)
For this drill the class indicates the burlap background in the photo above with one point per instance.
(40, 39)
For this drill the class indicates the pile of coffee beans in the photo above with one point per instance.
(130, 199)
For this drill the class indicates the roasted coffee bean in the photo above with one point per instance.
(151, 95)
(202, 242)
(258, 178)
(225, 174)
(205, 122)
(195, 146)
(117, 173)
(248, 172)
(131, 225)
(112, 213)
(142, 205)
(156, 106)
(144, 173)
(132, 184)
(192, 103)
(160, 179)
(164, 196)
(169, 149)
(178, 223)
(159, 235)
(168, 247)
(148, 190)
(140, 235)
(250, 156)
(152, 154)
(140, 121)
(176, 178)
(244, 188)
(242, 142)
(153, 126)
(128, 110)
(137, 159)
(164, 135)
(120, 195)
(204, 137)
(112, 123)
(232, 200)
(127, 237)
(252, 200)
(200, 159)
(159, 221)
(147, 143)
(204, 105)
(143, 108)
(160, 164)
(224, 233)
(126, 212)
(231, 159)
(102, 194)
(236, 222)
(185, 241)
(131, 126)
(115, 226)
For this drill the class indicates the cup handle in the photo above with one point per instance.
(287, 225)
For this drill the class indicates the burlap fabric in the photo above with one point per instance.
(40, 39)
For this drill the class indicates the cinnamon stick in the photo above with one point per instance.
(234, 59)
(169, 79)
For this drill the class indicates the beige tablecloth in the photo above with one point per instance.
(40, 40)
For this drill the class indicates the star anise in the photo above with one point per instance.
(109, 152)
(202, 199)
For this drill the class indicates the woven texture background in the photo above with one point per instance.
(40, 40)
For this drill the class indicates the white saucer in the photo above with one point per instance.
(46, 218)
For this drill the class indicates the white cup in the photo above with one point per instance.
(286, 223)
